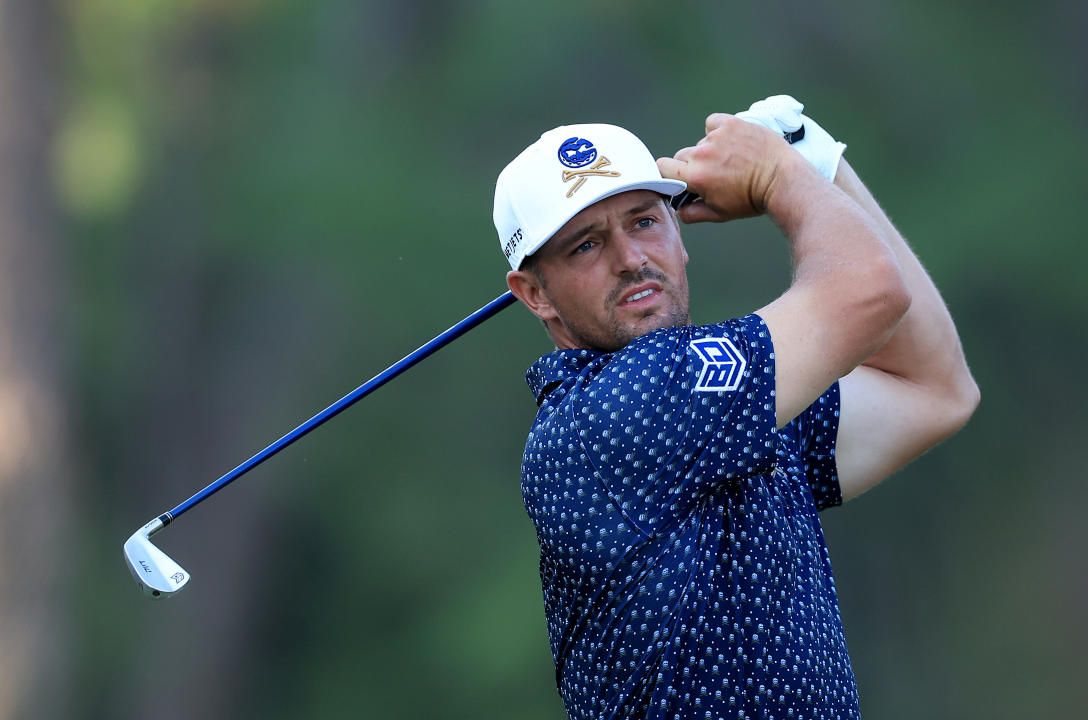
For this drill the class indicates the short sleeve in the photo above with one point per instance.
(676, 412)
(818, 429)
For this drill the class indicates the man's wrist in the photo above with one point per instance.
(793, 186)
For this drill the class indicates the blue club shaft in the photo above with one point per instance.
(493, 307)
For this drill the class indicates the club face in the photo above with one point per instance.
(157, 574)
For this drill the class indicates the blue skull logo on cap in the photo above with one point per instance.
(577, 152)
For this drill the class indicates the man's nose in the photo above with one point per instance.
(628, 252)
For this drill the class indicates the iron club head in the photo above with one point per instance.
(156, 573)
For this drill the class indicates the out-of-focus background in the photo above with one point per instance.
(217, 217)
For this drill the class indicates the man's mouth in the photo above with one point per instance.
(641, 288)
(639, 295)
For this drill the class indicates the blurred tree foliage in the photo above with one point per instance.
(264, 203)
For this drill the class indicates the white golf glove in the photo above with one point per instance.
(782, 114)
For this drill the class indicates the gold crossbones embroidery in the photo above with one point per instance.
(594, 169)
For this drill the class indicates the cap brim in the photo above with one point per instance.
(664, 186)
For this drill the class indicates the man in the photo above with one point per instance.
(674, 473)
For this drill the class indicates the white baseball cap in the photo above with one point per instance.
(568, 169)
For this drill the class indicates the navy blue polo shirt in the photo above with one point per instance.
(684, 569)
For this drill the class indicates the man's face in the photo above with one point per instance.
(614, 272)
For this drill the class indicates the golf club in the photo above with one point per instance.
(160, 576)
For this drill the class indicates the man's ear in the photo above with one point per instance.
(527, 287)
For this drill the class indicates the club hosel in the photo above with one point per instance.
(152, 527)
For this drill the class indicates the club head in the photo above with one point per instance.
(157, 574)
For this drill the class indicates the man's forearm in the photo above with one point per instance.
(925, 348)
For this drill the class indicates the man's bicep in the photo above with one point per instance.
(805, 357)
(884, 423)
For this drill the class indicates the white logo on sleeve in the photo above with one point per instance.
(723, 365)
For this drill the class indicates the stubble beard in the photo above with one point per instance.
(612, 334)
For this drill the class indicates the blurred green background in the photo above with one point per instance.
(217, 217)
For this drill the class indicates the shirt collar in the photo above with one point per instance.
(551, 370)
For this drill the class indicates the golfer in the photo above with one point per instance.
(674, 472)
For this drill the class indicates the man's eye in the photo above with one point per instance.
(644, 222)
(583, 247)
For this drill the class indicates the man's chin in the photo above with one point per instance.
(618, 335)
(650, 323)
(658, 320)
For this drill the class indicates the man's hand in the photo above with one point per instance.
(734, 169)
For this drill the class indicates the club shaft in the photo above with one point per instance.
(493, 307)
